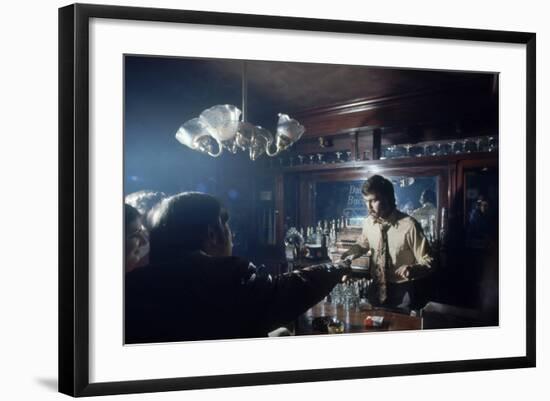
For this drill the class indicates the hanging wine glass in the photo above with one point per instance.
(469, 146)
(408, 147)
(444, 149)
(482, 144)
(457, 147)
(493, 144)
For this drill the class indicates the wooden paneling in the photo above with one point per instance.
(450, 112)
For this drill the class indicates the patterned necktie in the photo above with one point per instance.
(383, 263)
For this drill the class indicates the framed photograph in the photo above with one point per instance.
(250, 199)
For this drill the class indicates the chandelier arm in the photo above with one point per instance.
(220, 149)
(215, 154)
(269, 153)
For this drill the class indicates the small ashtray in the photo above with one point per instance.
(327, 325)
(335, 327)
(321, 323)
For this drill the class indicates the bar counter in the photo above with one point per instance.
(353, 319)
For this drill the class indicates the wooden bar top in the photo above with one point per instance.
(353, 319)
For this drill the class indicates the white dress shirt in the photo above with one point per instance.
(406, 242)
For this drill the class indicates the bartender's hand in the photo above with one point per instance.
(403, 272)
(344, 265)
(354, 252)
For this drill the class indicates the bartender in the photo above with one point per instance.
(400, 253)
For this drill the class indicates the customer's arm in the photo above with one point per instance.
(276, 300)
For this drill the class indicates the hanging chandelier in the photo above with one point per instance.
(225, 126)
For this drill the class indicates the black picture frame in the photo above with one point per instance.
(74, 198)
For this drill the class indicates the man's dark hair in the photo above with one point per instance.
(180, 224)
(382, 187)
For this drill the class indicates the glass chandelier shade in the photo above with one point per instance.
(224, 127)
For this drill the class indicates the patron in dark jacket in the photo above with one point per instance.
(194, 289)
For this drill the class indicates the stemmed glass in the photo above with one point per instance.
(493, 144)
(431, 149)
(426, 149)
(457, 147)
(407, 147)
(444, 149)
(469, 146)
(482, 144)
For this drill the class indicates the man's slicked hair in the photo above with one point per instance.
(180, 223)
(380, 186)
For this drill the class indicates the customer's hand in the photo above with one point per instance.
(344, 266)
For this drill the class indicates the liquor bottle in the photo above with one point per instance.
(332, 235)
(432, 230)
(443, 226)
(319, 233)
(324, 240)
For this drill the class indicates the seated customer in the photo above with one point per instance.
(136, 240)
(194, 289)
(144, 200)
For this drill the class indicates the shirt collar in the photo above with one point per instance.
(392, 219)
